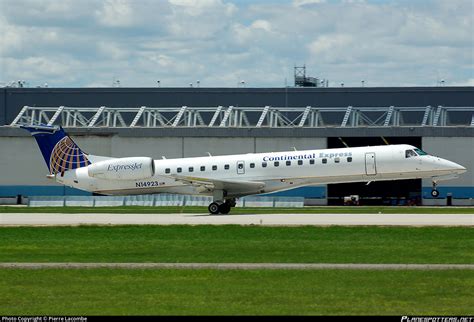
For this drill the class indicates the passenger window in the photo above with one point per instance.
(167, 170)
(203, 168)
(410, 153)
(276, 164)
(325, 161)
(349, 159)
(337, 160)
(179, 170)
(252, 165)
(288, 163)
(226, 167)
(240, 166)
(311, 161)
(264, 164)
(214, 167)
(300, 162)
(191, 169)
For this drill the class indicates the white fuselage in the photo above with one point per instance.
(278, 171)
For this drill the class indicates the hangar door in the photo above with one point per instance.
(370, 167)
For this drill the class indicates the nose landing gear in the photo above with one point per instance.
(434, 192)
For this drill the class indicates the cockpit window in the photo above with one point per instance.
(420, 152)
(410, 153)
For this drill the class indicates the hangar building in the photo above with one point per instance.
(184, 122)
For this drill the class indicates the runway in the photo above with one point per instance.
(241, 266)
(60, 219)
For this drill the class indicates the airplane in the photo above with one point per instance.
(229, 177)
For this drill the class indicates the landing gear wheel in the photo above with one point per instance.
(224, 208)
(232, 202)
(434, 192)
(214, 208)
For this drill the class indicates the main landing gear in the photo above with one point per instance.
(434, 192)
(221, 207)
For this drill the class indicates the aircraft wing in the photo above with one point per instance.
(232, 187)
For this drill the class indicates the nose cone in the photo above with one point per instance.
(460, 169)
(454, 167)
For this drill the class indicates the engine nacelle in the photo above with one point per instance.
(135, 168)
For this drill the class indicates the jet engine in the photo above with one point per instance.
(135, 168)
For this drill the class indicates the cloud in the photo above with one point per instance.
(198, 19)
(299, 3)
(116, 13)
(92, 42)
(112, 50)
(261, 24)
(201, 7)
(328, 44)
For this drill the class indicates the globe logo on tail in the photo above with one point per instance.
(66, 155)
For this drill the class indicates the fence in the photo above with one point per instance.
(157, 201)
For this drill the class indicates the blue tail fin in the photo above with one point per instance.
(58, 149)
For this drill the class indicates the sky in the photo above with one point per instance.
(220, 43)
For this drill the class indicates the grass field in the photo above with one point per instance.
(237, 210)
(234, 292)
(238, 244)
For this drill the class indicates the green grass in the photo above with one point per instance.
(235, 292)
(237, 244)
(191, 209)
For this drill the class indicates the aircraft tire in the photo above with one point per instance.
(435, 193)
(214, 208)
(224, 208)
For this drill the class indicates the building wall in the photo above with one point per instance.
(459, 150)
(21, 162)
(199, 146)
(286, 144)
(170, 147)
